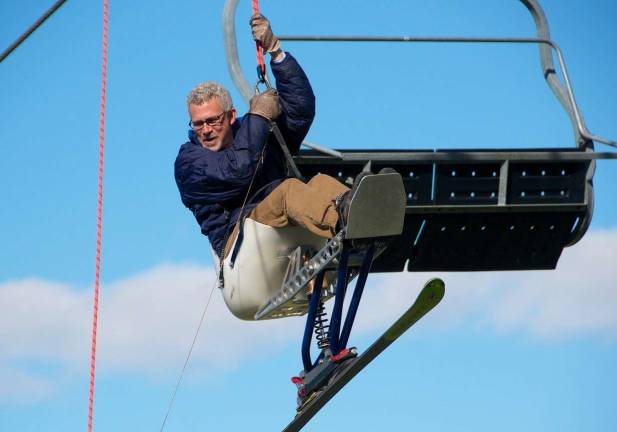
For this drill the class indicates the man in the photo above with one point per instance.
(233, 165)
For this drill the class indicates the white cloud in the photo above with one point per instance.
(18, 386)
(42, 319)
(580, 297)
(147, 322)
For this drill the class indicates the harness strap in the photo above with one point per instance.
(243, 215)
(292, 168)
(291, 171)
(246, 200)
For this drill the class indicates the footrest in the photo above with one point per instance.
(290, 300)
(377, 207)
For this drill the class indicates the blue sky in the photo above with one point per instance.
(508, 351)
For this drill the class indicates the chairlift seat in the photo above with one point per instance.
(516, 210)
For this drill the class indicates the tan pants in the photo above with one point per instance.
(309, 205)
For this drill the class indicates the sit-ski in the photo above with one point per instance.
(299, 262)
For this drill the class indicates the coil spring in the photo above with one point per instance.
(321, 327)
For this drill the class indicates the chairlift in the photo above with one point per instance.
(472, 210)
(460, 210)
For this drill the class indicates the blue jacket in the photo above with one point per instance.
(213, 185)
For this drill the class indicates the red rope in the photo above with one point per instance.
(99, 216)
(260, 55)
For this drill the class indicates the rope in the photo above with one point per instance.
(99, 215)
(31, 29)
(261, 71)
(203, 315)
(188, 356)
(261, 67)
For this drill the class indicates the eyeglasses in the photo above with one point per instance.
(210, 121)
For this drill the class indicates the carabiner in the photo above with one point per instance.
(262, 78)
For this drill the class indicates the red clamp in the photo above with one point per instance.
(299, 382)
(342, 355)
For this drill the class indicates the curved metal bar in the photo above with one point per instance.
(546, 61)
(231, 50)
(548, 70)
(584, 139)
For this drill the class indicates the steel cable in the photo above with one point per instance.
(31, 29)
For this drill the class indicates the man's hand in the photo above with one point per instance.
(262, 33)
(266, 105)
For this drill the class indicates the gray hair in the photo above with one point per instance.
(205, 91)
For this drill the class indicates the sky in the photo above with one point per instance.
(504, 351)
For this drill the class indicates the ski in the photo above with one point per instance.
(431, 294)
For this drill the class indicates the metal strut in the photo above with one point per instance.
(357, 295)
(342, 279)
(314, 307)
(336, 340)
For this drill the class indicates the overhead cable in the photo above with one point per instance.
(31, 29)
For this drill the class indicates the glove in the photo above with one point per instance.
(266, 105)
(262, 33)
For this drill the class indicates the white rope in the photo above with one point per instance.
(188, 356)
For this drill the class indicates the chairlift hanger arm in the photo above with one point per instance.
(564, 94)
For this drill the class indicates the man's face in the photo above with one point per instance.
(212, 125)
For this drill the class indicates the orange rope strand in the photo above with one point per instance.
(260, 55)
(99, 216)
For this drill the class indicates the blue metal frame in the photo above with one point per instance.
(357, 294)
(342, 279)
(310, 323)
(337, 339)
